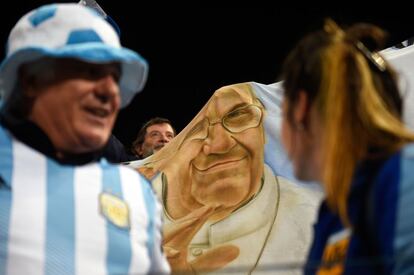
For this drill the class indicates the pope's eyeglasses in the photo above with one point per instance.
(235, 121)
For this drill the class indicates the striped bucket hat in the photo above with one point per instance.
(70, 31)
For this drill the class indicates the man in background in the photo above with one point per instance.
(152, 136)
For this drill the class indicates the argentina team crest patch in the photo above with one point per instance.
(115, 210)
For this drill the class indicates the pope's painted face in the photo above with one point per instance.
(229, 138)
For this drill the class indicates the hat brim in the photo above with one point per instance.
(134, 67)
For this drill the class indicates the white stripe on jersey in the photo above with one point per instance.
(27, 224)
(133, 194)
(159, 264)
(27, 218)
(90, 227)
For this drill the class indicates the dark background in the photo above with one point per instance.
(194, 50)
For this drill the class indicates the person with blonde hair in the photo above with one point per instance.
(342, 127)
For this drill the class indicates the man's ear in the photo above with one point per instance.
(28, 85)
(138, 149)
(301, 109)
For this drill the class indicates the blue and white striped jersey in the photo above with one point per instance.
(61, 219)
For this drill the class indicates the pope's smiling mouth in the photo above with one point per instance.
(220, 165)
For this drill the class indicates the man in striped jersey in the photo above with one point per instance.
(64, 209)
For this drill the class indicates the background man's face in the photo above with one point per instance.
(228, 167)
(77, 110)
(156, 137)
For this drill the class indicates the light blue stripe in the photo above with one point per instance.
(83, 36)
(6, 170)
(6, 159)
(42, 14)
(150, 205)
(118, 258)
(271, 96)
(60, 230)
(404, 239)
